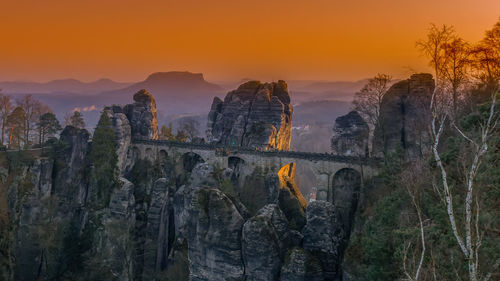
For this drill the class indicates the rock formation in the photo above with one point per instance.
(266, 238)
(324, 238)
(170, 216)
(214, 237)
(350, 135)
(301, 265)
(290, 199)
(257, 115)
(133, 121)
(404, 117)
(158, 224)
(123, 133)
(72, 163)
(142, 116)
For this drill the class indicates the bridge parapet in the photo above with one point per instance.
(371, 161)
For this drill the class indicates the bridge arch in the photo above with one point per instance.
(135, 153)
(306, 178)
(149, 155)
(190, 160)
(346, 185)
(235, 163)
(162, 155)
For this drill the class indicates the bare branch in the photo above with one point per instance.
(463, 134)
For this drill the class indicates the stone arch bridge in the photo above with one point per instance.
(333, 172)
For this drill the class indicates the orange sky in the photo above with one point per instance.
(225, 39)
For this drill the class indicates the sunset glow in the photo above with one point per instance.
(321, 39)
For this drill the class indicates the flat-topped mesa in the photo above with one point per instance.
(142, 116)
(350, 135)
(257, 115)
(404, 118)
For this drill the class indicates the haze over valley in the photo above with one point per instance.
(181, 95)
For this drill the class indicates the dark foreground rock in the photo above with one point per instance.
(300, 265)
(324, 238)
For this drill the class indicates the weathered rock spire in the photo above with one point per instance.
(256, 115)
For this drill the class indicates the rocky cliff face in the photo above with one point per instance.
(142, 116)
(324, 238)
(174, 217)
(404, 115)
(123, 133)
(255, 115)
(133, 121)
(350, 135)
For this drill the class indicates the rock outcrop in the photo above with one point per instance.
(116, 238)
(214, 237)
(123, 133)
(72, 165)
(324, 238)
(404, 117)
(171, 215)
(133, 121)
(257, 115)
(158, 225)
(300, 265)
(266, 238)
(142, 116)
(350, 135)
(290, 199)
(261, 249)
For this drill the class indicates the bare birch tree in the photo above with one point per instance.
(432, 46)
(455, 66)
(369, 99)
(448, 56)
(467, 235)
(414, 179)
(5, 109)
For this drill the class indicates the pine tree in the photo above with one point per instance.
(104, 158)
(166, 133)
(47, 126)
(181, 136)
(76, 120)
(15, 124)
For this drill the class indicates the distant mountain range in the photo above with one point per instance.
(175, 93)
(180, 94)
(62, 86)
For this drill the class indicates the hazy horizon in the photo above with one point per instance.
(215, 81)
(289, 40)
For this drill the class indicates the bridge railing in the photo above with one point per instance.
(232, 150)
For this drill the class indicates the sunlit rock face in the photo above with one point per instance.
(350, 135)
(404, 117)
(290, 199)
(142, 116)
(257, 115)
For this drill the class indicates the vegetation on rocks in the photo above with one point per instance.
(104, 159)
